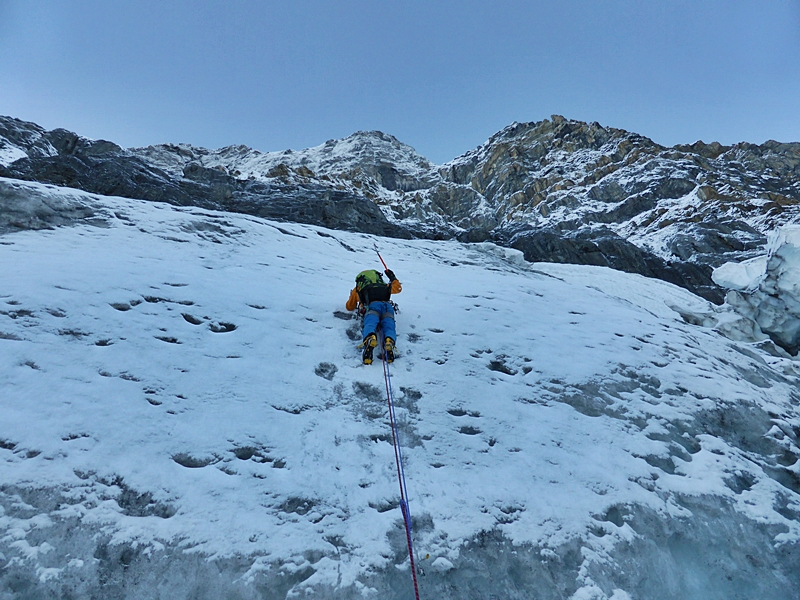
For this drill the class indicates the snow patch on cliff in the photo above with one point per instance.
(9, 154)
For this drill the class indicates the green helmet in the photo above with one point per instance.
(370, 277)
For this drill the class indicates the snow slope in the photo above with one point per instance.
(184, 412)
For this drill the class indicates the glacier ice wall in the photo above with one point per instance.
(766, 289)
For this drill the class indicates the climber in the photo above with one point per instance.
(372, 297)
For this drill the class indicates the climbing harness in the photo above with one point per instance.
(398, 457)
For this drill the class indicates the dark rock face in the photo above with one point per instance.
(559, 190)
(315, 205)
(117, 176)
(712, 242)
(602, 247)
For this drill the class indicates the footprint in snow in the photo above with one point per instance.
(469, 430)
(326, 370)
(460, 412)
(125, 306)
(192, 462)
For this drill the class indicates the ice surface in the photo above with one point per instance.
(184, 415)
(743, 276)
(766, 289)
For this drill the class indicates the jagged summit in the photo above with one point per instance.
(567, 133)
(372, 154)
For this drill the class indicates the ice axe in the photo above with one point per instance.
(375, 247)
(387, 271)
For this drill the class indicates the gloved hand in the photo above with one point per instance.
(390, 274)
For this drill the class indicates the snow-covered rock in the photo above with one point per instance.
(442, 565)
(21, 139)
(370, 152)
(184, 415)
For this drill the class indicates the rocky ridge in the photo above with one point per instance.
(559, 190)
(63, 158)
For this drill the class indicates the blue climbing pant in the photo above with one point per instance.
(379, 313)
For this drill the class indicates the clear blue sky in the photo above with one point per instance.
(440, 75)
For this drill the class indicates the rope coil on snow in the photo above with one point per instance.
(401, 476)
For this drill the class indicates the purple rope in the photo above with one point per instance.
(401, 476)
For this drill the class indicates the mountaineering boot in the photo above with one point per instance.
(369, 343)
(388, 348)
